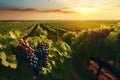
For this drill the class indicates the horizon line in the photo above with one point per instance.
(66, 20)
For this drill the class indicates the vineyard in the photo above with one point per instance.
(54, 50)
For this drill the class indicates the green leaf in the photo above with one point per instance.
(3, 57)
(12, 35)
(14, 43)
(4, 62)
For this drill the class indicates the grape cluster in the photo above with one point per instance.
(38, 59)
(42, 51)
(30, 58)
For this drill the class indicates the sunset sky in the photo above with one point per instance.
(59, 9)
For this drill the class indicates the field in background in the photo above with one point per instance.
(67, 25)
(73, 43)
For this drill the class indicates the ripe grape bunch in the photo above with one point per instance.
(30, 57)
(42, 51)
(38, 59)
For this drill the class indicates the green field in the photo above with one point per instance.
(71, 44)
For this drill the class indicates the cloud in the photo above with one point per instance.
(26, 9)
(62, 10)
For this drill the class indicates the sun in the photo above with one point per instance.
(84, 9)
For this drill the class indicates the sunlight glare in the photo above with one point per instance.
(84, 10)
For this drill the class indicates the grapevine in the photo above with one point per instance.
(35, 56)
(38, 59)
